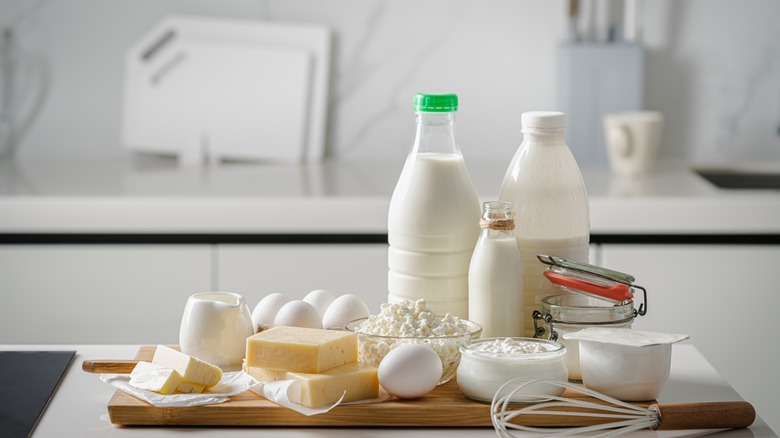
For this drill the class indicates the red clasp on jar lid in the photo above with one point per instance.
(616, 292)
(592, 280)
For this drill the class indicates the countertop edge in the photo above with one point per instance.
(358, 215)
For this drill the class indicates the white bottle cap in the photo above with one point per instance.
(543, 121)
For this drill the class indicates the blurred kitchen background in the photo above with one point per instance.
(711, 66)
(82, 105)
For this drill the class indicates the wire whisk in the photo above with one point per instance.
(616, 417)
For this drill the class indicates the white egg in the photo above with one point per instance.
(265, 311)
(320, 299)
(298, 313)
(410, 371)
(344, 309)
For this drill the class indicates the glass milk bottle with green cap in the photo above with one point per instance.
(545, 186)
(433, 221)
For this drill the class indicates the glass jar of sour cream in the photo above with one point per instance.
(486, 364)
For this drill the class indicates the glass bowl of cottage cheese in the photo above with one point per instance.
(413, 322)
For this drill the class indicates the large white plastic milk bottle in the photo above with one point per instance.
(545, 186)
(433, 221)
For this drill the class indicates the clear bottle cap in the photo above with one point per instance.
(543, 121)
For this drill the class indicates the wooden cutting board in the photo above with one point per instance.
(446, 406)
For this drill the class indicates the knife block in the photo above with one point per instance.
(594, 79)
(206, 89)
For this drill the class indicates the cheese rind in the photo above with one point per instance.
(299, 349)
(358, 380)
(155, 378)
(191, 368)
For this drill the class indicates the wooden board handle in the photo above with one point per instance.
(109, 366)
(716, 415)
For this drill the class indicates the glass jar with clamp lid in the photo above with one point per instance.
(593, 297)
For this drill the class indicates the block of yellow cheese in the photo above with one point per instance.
(191, 369)
(301, 350)
(359, 381)
(155, 378)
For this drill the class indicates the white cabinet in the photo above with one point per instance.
(113, 294)
(724, 296)
(136, 293)
(258, 270)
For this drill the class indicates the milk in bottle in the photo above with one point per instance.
(433, 221)
(496, 275)
(552, 214)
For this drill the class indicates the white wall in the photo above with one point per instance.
(712, 67)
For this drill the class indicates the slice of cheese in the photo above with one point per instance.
(359, 381)
(155, 378)
(265, 374)
(299, 349)
(191, 369)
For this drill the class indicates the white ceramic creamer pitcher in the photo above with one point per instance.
(215, 326)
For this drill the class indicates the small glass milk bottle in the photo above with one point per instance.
(496, 275)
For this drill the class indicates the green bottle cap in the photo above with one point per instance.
(435, 103)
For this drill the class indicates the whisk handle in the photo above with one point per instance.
(712, 415)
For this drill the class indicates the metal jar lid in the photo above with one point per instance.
(600, 296)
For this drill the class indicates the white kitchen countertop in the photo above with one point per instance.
(80, 402)
(154, 195)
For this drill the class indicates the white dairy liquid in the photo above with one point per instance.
(496, 287)
(433, 225)
(545, 186)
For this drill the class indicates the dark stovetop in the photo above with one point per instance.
(28, 380)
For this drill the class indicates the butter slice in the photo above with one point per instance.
(299, 349)
(190, 388)
(358, 380)
(155, 378)
(191, 369)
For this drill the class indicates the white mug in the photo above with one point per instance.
(632, 139)
(215, 326)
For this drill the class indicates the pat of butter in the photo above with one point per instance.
(299, 349)
(190, 388)
(359, 381)
(192, 369)
(155, 378)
